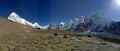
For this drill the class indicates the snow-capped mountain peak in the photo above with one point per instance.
(62, 23)
(16, 18)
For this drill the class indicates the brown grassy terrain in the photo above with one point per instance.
(49, 42)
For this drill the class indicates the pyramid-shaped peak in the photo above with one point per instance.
(13, 13)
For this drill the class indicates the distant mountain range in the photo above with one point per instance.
(90, 23)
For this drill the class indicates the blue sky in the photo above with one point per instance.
(56, 11)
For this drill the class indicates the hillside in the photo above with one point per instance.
(19, 37)
(49, 42)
